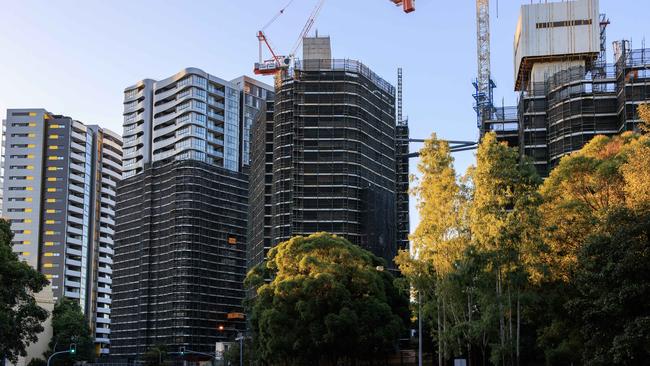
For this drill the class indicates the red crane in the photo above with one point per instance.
(407, 5)
(277, 62)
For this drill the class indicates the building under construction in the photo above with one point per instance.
(332, 157)
(567, 92)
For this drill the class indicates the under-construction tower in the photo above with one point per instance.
(333, 153)
(568, 93)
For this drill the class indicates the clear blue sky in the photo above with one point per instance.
(76, 57)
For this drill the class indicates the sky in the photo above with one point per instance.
(75, 57)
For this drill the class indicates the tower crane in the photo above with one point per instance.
(407, 5)
(483, 85)
(277, 63)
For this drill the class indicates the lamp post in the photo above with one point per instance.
(240, 338)
(72, 350)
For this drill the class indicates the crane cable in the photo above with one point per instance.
(277, 15)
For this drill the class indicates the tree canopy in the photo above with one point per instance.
(69, 326)
(20, 316)
(515, 271)
(327, 301)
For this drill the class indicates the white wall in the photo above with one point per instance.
(556, 42)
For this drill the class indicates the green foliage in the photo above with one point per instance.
(37, 362)
(155, 356)
(70, 327)
(614, 292)
(474, 249)
(327, 301)
(232, 355)
(513, 273)
(20, 316)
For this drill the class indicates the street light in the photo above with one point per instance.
(72, 350)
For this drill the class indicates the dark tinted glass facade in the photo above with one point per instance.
(261, 177)
(179, 258)
(334, 156)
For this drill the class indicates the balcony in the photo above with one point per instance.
(103, 320)
(72, 295)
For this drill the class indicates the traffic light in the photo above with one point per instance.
(73, 349)
(182, 351)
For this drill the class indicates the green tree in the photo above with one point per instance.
(20, 317)
(232, 355)
(155, 356)
(474, 249)
(70, 327)
(605, 176)
(614, 292)
(37, 362)
(328, 301)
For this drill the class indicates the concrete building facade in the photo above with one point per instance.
(59, 195)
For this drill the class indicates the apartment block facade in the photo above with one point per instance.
(59, 195)
(182, 212)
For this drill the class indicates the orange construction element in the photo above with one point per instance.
(408, 5)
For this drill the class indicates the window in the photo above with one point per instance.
(564, 23)
(54, 137)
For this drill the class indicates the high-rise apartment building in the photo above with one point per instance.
(568, 91)
(330, 157)
(182, 212)
(59, 195)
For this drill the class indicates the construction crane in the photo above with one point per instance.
(407, 5)
(278, 63)
(484, 99)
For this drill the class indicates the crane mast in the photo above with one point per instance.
(483, 84)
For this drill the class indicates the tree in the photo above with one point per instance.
(20, 316)
(232, 355)
(155, 356)
(70, 327)
(476, 234)
(613, 291)
(328, 301)
(37, 362)
(644, 114)
(607, 175)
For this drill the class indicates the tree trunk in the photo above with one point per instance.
(510, 336)
(518, 324)
(439, 336)
(501, 322)
(469, 318)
